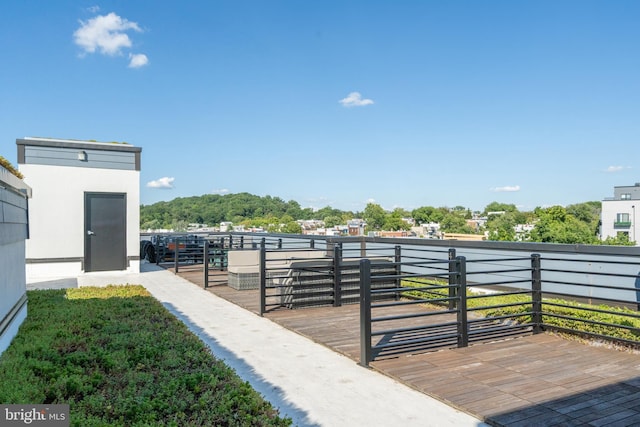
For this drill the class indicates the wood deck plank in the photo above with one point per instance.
(529, 380)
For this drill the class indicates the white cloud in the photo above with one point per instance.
(105, 34)
(506, 189)
(354, 99)
(164, 183)
(220, 191)
(138, 60)
(616, 168)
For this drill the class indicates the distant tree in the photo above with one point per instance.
(374, 216)
(179, 225)
(332, 221)
(501, 227)
(395, 222)
(461, 210)
(327, 211)
(401, 213)
(555, 225)
(454, 223)
(291, 227)
(153, 224)
(307, 213)
(587, 212)
(422, 215)
(427, 214)
(293, 209)
(621, 239)
(499, 207)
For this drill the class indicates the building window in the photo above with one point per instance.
(622, 220)
(625, 196)
(622, 217)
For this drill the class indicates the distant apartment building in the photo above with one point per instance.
(309, 226)
(619, 213)
(226, 226)
(429, 230)
(356, 227)
(399, 233)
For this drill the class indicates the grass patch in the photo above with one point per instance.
(617, 323)
(118, 357)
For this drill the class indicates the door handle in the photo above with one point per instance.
(90, 233)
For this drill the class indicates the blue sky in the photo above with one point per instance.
(405, 103)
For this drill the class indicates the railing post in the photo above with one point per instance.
(241, 242)
(205, 261)
(452, 279)
(398, 268)
(221, 255)
(176, 255)
(463, 326)
(363, 247)
(337, 275)
(312, 243)
(157, 248)
(230, 241)
(365, 312)
(263, 276)
(536, 294)
(280, 243)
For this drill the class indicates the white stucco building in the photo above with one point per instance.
(85, 211)
(619, 213)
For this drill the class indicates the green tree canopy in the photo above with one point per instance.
(555, 225)
(455, 223)
(499, 207)
(501, 227)
(374, 216)
(394, 221)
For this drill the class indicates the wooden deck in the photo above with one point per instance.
(534, 380)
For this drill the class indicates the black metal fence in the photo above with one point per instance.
(183, 250)
(417, 294)
(435, 306)
(490, 298)
(294, 276)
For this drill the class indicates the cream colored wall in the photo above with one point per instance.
(610, 209)
(56, 212)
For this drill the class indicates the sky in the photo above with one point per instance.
(337, 103)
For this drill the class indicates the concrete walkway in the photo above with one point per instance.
(304, 380)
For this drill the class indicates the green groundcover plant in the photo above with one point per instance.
(603, 320)
(118, 357)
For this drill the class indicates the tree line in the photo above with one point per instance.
(573, 224)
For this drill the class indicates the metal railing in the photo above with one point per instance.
(180, 250)
(436, 306)
(495, 298)
(294, 276)
(428, 293)
(604, 306)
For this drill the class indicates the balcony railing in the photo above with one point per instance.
(622, 224)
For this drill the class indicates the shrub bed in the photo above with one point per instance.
(118, 357)
(617, 323)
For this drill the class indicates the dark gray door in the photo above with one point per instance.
(105, 231)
